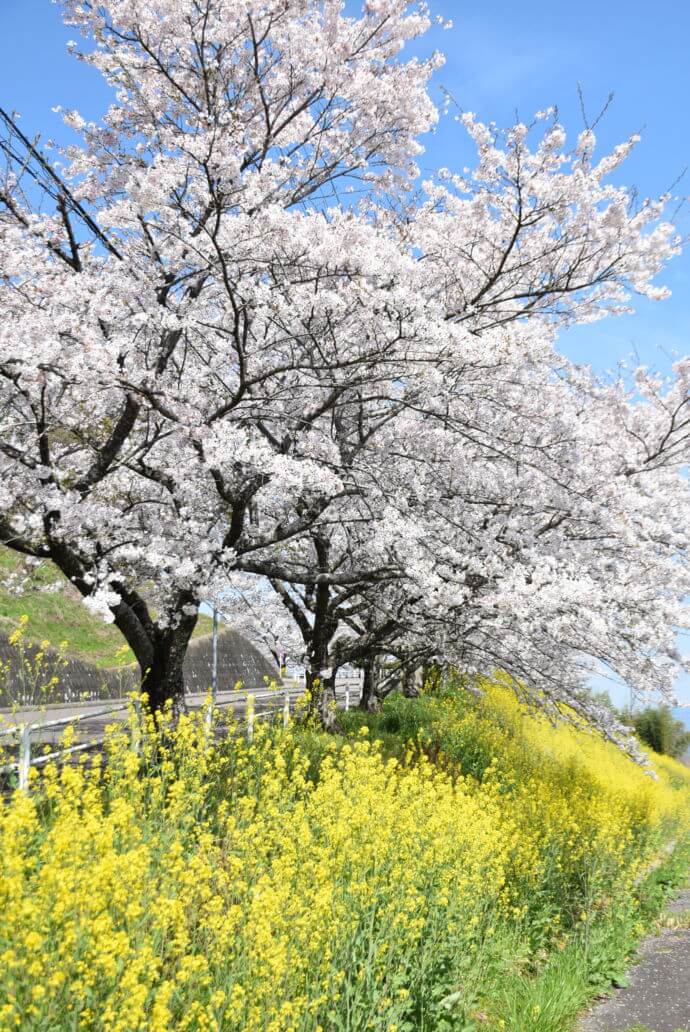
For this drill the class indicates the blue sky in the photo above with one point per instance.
(505, 58)
(502, 59)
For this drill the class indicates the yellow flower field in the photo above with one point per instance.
(305, 883)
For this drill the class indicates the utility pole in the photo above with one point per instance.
(214, 658)
(208, 718)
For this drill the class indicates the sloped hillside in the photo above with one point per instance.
(60, 616)
(52, 649)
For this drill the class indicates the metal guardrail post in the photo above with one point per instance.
(208, 717)
(24, 732)
(250, 717)
(135, 727)
(24, 765)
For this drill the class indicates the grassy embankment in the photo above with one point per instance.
(60, 615)
(477, 869)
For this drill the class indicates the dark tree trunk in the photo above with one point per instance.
(163, 681)
(327, 706)
(410, 688)
(320, 684)
(369, 700)
(312, 683)
(160, 653)
(320, 676)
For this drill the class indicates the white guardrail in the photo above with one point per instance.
(27, 734)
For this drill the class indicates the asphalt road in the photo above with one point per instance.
(66, 711)
(96, 716)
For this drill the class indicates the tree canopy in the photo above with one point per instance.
(244, 344)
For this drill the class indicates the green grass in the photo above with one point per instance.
(552, 999)
(58, 616)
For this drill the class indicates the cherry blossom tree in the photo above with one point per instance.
(179, 309)
(580, 564)
(564, 549)
(213, 366)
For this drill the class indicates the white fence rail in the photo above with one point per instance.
(29, 734)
